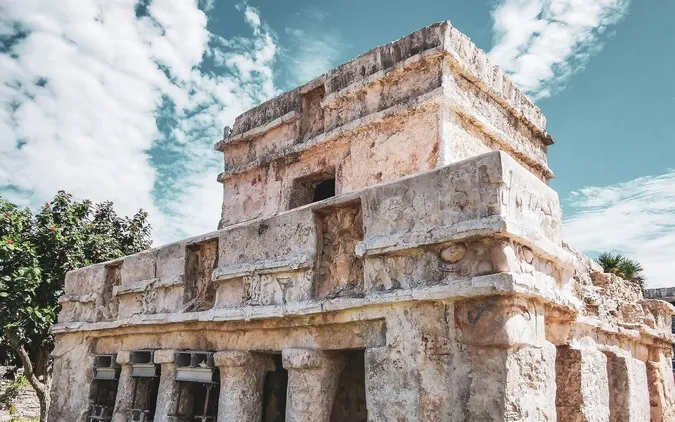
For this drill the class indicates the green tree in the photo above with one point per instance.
(624, 267)
(36, 251)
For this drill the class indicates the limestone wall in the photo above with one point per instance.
(452, 287)
(422, 102)
(432, 285)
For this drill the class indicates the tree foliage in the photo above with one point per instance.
(624, 267)
(36, 251)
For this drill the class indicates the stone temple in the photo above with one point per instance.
(389, 250)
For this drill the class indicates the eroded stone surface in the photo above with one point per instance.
(434, 286)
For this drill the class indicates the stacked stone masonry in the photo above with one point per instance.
(432, 285)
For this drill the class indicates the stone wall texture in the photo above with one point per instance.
(433, 286)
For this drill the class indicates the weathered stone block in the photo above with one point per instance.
(582, 385)
(140, 266)
(628, 390)
(500, 322)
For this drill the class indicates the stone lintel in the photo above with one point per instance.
(307, 359)
(270, 266)
(232, 358)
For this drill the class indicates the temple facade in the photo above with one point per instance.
(389, 250)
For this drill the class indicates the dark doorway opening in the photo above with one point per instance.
(197, 401)
(145, 376)
(274, 393)
(324, 190)
(312, 188)
(103, 388)
(102, 400)
(350, 397)
(145, 399)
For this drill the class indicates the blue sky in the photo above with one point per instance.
(123, 99)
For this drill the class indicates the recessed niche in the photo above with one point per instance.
(313, 188)
(200, 261)
(339, 272)
(108, 308)
(311, 120)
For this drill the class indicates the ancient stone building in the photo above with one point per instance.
(389, 250)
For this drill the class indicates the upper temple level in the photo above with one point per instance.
(424, 101)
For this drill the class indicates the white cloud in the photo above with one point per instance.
(81, 86)
(314, 50)
(635, 218)
(541, 43)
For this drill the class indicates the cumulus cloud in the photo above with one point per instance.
(541, 43)
(635, 218)
(110, 101)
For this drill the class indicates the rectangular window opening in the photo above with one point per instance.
(274, 392)
(313, 188)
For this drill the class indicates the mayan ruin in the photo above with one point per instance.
(389, 250)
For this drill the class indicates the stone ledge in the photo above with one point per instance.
(488, 285)
(83, 298)
(232, 358)
(270, 266)
(430, 97)
(289, 117)
(335, 96)
(380, 245)
(143, 285)
(307, 359)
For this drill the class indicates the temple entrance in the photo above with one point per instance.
(274, 393)
(350, 397)
(103, 388)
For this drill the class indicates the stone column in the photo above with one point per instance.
(312, 382)
(242, 375)
(168, 387)
(125, 388)
(661, 384)
(511, 366)
(628, 390)
(582, 385)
